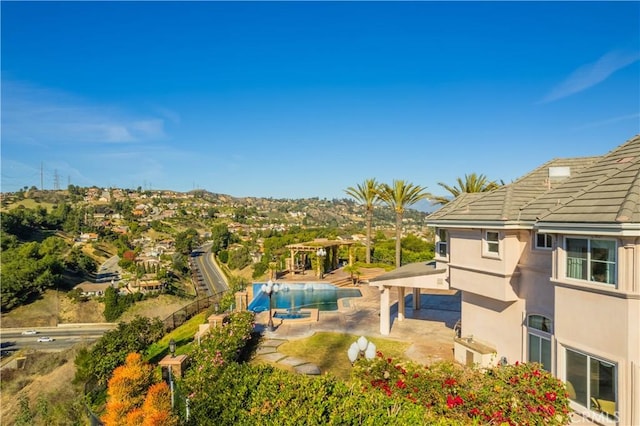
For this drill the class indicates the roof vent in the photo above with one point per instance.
(559, 172)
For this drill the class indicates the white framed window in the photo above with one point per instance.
(492, 243)
(593, 260)
(441, 244)
(543, 241)
(539, 340)
(592, 382)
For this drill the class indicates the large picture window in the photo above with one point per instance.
(539, 340)
(592, 382)
(591, 260)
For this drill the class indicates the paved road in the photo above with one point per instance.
(109, 270)
(211, 274)
(63, 336)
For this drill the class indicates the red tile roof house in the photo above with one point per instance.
(549, 271)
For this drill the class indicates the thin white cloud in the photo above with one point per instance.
(591, 74)
(33, 115)
(608, 121)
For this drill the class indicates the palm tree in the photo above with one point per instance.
(398, 196)
(367, 194)
(471, 183)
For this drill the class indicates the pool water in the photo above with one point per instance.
(321, 296)
(292, 315)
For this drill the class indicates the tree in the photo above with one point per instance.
(398, 196)
(220, 237)
(134, 400)
(112, 348)
(367, 194)
(126, 389)
(471, 183)
(186, 241)
(354, 272)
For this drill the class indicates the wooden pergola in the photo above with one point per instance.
(330, 259)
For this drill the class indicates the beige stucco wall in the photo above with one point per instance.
(597, 319)
(474, 271)
(494, 323)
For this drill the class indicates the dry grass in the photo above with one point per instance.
(45, 376)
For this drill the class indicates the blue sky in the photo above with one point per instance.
(304, 99)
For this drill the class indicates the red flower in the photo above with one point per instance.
(416, 375)
(401, 384)
(450, 382)
(474, 412)
(551, 396)
(453, 401)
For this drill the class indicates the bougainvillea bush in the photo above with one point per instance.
(246, 394)
(223, 391)
(223, 344)
(520, 394)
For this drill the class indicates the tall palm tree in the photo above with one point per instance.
(367, 194)
(398, 196)
(471, 183)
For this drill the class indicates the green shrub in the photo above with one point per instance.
(522, 394)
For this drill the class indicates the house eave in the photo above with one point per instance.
(492, 224)
(605, 229)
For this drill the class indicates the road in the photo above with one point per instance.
(109, 270)
(64, 336)
(209, 272)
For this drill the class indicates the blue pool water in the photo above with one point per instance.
(321, 296)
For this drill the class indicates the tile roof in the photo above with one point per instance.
(598, 190)
(607, 191)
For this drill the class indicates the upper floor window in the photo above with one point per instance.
(591, 260)
(492, 243)
(441, 245)
(544, 241)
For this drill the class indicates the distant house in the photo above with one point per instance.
(90, 289)
(88, 236)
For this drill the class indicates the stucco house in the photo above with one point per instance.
(549, 271)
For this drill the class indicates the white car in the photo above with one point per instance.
(45, 339)
(29, 332)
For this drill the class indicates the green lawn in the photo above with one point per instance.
(182, 335)
(329, 351)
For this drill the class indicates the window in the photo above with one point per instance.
(441, 245)
(544, 241)
(539, 340)
(591, 260)
(592, 382)
(492, 243)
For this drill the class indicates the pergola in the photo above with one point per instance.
(330, 260)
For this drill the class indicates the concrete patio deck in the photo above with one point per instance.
(429, 330)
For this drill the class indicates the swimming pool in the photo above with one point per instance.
(321, 296)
